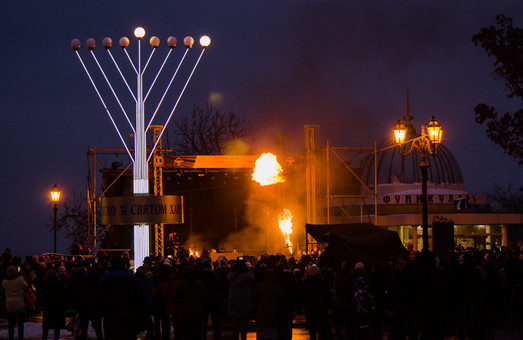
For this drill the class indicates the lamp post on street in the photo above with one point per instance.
(426, 143)
(55, 197)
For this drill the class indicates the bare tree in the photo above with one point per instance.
(506, 199)
(209, 131)
(72, 220)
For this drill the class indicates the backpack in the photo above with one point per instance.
(364, 301)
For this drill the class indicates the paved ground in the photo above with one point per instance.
(508, 329)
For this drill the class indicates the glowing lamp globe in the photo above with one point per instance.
(55, 194)
(205, 41)
(434, 131)
(400, 131)
(139, 33)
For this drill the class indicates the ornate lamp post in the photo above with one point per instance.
(426, 143)
(55, 197)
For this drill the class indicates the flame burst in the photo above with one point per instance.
(285, 221)
(267, 170)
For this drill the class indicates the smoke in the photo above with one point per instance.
(195, 241)
(263, 207)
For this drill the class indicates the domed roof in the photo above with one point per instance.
(394, 168)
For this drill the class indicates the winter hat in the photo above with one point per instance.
(11, 270)
(313, 271)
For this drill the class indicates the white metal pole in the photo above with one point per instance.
(140, 168)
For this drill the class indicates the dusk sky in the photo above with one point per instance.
(344, 65)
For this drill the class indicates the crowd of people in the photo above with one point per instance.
(415, 295)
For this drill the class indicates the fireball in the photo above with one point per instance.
(285, 222)
(267, 170)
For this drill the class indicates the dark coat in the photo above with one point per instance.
(121, 304)
(239, 296)
(268, 299)
(191, 298)
(318, 300)
(163, 294)
(54, 306)
(54, 301)
(214, 289)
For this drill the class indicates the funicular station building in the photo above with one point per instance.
(386, 191)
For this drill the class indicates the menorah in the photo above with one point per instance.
(140, 158)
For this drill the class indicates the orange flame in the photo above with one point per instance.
(267, 170)
(285, 221)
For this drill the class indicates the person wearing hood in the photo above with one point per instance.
(14, 285)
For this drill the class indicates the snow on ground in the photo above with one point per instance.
(34, 330)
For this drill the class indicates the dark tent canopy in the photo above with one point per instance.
(356, 242)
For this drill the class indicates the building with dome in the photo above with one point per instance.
(386, 190)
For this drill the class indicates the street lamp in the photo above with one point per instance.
(55, 197)
(428, 142)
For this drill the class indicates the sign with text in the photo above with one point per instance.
(142, 210)
(391, 199)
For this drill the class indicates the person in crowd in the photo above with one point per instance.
(13, 286)
(87, 302)
(291, 292)
(146, 279)
(163, 294)
(30, 277)
(54, 296)
(239, 304)
(221, 271)
(120, 302)
(365, 307)
(400, 294)
(345, 296)
(268, 299)
(468, 285)
(318, 303)
(216, 297)
(429, 293)
(377, 287)
(27, 271)
(191, 297)
(62, 274)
